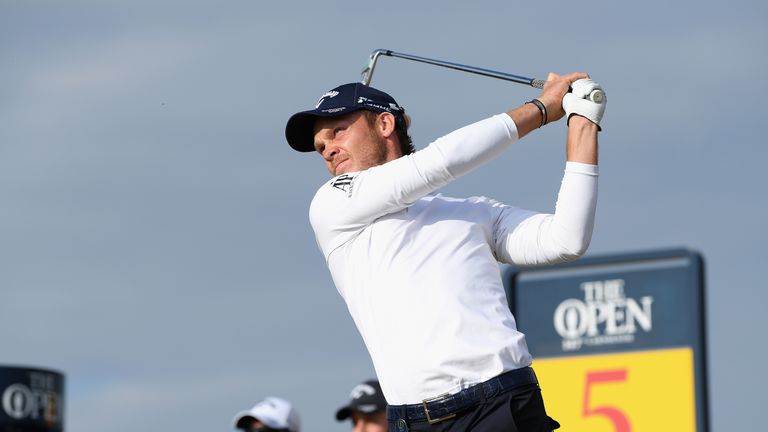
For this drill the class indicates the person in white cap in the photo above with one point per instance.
(270, 415)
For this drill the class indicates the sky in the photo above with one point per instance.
(154, 240)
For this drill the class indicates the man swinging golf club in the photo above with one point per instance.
(419, 271)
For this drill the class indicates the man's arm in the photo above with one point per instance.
(538, 238)
(582, 140)
(549, 238)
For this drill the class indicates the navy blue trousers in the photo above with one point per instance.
(518, 410)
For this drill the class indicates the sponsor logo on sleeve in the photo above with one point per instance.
(344, 182)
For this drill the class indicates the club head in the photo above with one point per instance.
(367, 72)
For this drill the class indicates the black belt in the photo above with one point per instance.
(447, 406)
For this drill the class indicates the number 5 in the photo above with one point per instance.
(619, 419)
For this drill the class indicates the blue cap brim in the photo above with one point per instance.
(300, 129)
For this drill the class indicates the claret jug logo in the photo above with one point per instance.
(605, 316)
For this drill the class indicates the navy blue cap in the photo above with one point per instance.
(366, 398)
(342, 100)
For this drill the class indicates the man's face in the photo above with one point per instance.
(375, 422)
(350, 143)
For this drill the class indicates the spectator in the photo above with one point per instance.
(270, 415)
(367, 408)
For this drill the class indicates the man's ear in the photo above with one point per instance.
(386, 124)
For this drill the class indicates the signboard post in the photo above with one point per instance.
(618, 341)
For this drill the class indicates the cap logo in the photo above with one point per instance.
(334, 110)
(330, 94)
(362, 100)
(362, 389)
(369, 408)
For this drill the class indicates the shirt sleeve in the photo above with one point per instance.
(528, 238)
(348, 203)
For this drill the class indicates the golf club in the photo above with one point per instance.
(596, 95)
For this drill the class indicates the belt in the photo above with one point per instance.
(446, 406)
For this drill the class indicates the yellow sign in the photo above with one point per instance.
(642, 391)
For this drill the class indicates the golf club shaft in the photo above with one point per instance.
(368, 71)
(596, 95)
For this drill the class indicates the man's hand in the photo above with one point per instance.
(553, 92)
(578, 102)
(530, 116)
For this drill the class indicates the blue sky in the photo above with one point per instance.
(155, 244)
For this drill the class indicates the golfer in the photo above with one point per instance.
(419, 271)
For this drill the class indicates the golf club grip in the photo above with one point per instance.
(596, 95)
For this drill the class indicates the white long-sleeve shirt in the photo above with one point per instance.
(419, 272)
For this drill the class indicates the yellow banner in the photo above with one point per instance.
(643, 391)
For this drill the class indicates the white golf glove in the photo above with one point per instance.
(578, 101)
